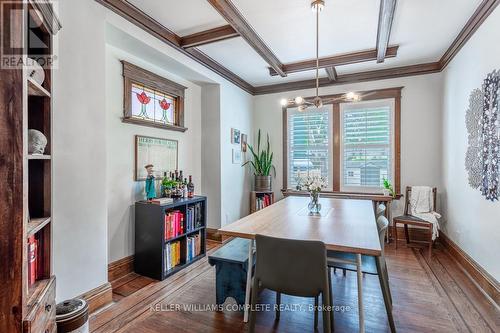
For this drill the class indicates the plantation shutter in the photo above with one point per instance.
(309, 144)
(367, 154)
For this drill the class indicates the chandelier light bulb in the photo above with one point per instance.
(283, 102)
(299, 100)
(351, 96)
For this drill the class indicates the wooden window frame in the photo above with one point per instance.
(335, 101)
(133, 74)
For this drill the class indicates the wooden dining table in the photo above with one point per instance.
(344, 225)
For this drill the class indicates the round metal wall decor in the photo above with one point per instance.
(482, 119)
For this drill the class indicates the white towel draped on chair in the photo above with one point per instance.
(421, 206)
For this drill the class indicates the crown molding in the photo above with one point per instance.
(480, 15)
(142, 20)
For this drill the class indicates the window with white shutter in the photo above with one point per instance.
(367, 145)
(309, 144)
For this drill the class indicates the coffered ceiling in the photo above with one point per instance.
(280, 33)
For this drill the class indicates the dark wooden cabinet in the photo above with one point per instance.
(151, 243)
(25, 189)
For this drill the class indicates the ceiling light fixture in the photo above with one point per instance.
(317, 6)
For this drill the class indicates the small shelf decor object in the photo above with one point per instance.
(260, 200)
(152, 100)
(169, 237)
(313, 185)
(482, 120)
(262, 164)
(162, 153)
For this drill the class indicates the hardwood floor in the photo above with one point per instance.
(428, 296)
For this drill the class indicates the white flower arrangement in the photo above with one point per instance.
(312, 184)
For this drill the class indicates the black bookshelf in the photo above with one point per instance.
(150, 243)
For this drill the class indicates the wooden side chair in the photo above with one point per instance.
(408, 219)
(292, 267)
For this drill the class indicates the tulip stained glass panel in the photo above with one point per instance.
(152, 105)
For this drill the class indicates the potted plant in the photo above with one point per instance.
(388, 189)
(262, 164)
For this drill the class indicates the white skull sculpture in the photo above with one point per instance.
(36, 142)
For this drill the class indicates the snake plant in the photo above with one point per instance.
(262, 160)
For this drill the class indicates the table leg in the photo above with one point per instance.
(386, 293)
(389, 217)
(249, 281)
(360, 294)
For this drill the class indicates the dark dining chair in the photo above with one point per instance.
(292, 267)
(369, 265)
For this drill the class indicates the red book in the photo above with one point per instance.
(181, 223)
(176, 223)
(32, 255)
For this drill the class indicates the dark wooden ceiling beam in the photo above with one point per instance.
(381, 74)
(482, 12)
(385, 19)
(332, 73)
(148, 24)
(336, 60)
(238, 22)
(208, 36)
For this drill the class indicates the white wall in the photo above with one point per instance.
(420, 126)
(123, 191)
(211, 153)
(93, 151)
(236, 182)
(79, 151)
(472, 222)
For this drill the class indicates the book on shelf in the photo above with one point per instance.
(193, 247)
(263, 201)
(172, 255)
(162, 201)
(32, 260)
(174, 224)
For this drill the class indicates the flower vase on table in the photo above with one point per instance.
(314, 205)
(313, 185)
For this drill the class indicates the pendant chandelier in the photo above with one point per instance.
(303, 104)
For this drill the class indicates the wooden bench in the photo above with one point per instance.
(231, 262)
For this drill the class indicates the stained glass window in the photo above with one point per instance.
(152, 100)
(152, 105)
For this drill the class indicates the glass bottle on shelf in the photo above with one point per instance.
(190, 187)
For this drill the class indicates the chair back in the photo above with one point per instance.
(382, 225)
(407, 210)
(380, 210)
(292, 267)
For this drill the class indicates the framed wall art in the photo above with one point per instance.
(161, 153)
(235, 136)
(482, 119)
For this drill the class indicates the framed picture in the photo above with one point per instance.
(235, 136)
(161, 153)
(244, 139)
(236, 156)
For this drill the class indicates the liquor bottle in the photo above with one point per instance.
(176, 175)
(184, 188)
(190, 187)
(180, 176)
